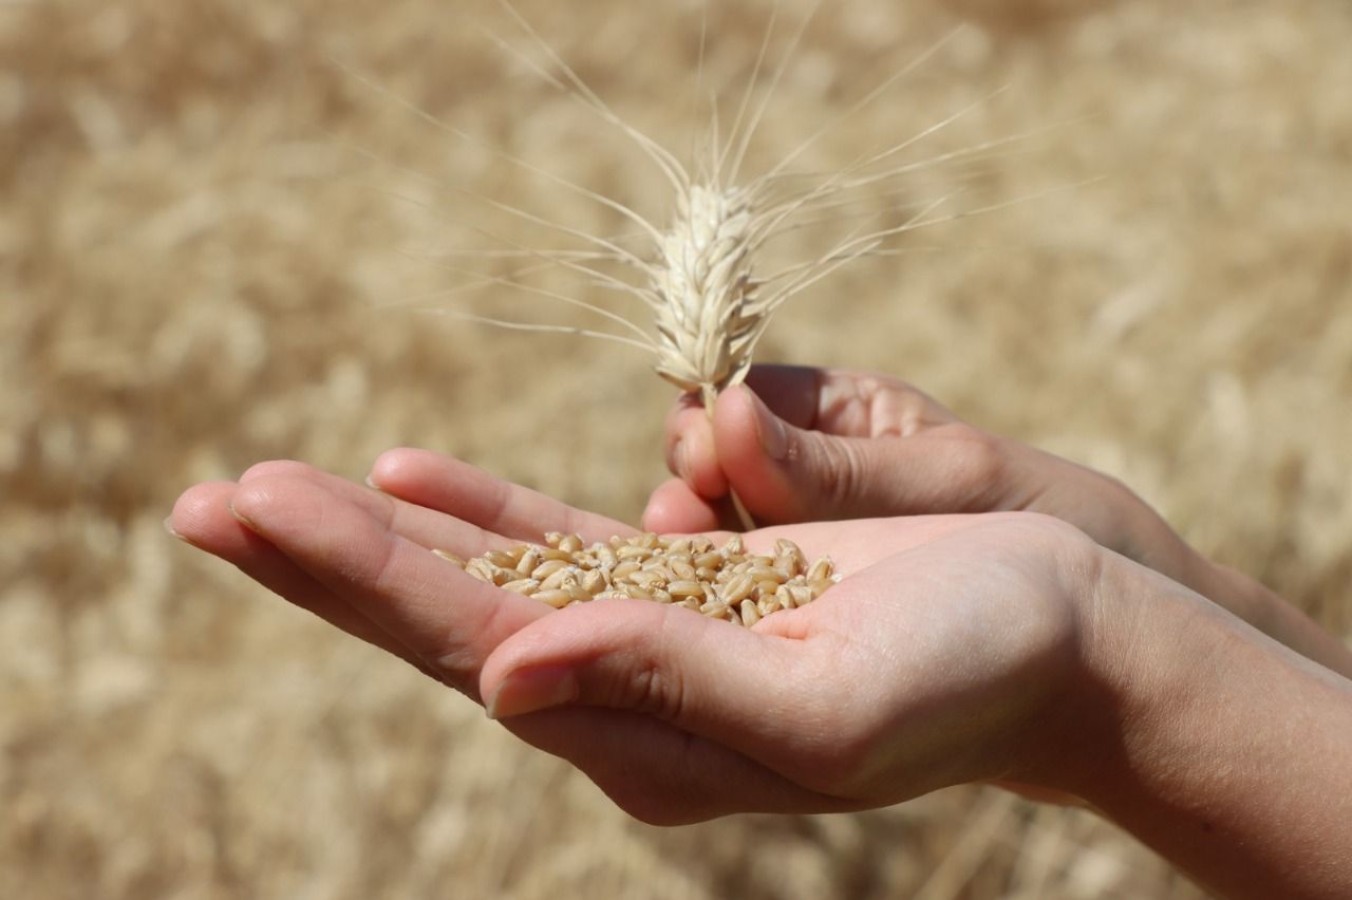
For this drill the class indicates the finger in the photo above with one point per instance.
(710, 678)
(662, 775)
(202, 518)
(673, 508)
(793, 392)
(690, 448)
(786, 474)
(468, 493)
(830, 401)
(845, 403)
(427, 527)
(448, 619)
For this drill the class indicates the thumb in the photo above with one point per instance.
(787, 474)
(704, 676)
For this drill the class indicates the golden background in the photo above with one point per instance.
(215, 249)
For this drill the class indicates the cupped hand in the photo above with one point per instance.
(358, 557)
(945, 654)
(803, 444)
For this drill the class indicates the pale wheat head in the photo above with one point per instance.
(708, 317)
(708, 307)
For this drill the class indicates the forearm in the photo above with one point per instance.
(1269, 613)
(1227, 753)
(1146, 538)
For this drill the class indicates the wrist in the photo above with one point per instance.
(1071, 744)
(1129, 526)
(1139, 644)
(1251, 600)
(1209, 742)
(1144, 642)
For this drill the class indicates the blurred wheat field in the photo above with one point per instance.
(214, 250)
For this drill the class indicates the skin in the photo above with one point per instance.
(1003, 647)
(816, 444)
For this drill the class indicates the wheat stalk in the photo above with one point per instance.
(697, 277)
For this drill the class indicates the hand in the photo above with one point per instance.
(956, 648)
(816, 444)
(358, 558)
(944, 655)
(802, 444)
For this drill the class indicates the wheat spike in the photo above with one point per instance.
(708, 316)
(696, 278)
(709, 306)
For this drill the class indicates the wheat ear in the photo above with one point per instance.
(709, 315)
(696, 278)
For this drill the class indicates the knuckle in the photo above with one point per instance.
(654, 691)
(841, 474)
(890, 407)
(980, 461)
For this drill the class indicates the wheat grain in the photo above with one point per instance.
(727, 584)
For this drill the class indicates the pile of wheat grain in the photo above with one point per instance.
(721, 582)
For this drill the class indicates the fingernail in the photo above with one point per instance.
(774, 440)
(240, 517)
(681, 457)
(531, 690)
(169, 527)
